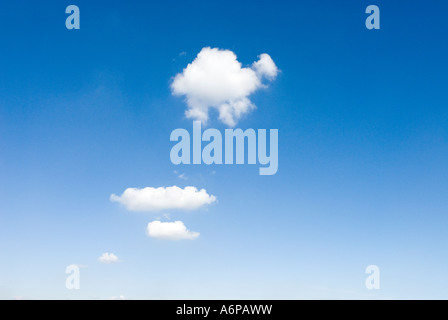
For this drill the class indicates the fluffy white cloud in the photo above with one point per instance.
(215, 79)
(170, 231)
(265, 67)
(108, 258)
(154, 199)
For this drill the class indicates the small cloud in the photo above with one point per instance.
(108, 258)
(167, 216)
(156, 199)
(265, 67)
(170, 231)
(180, 176)
(216, 79)
(182, 54)
(120, 297)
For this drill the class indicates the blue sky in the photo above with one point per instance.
(363, 151)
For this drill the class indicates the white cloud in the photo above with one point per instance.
(108, 258)
(182, 176)
(215, 79)
(265, 66)
(170, 231)
(167, 216)
(155, 199)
